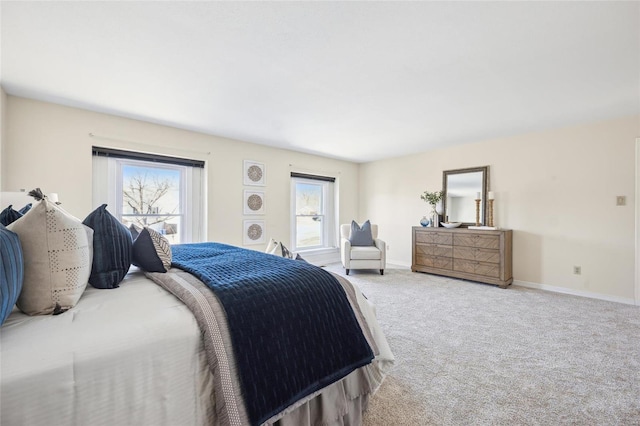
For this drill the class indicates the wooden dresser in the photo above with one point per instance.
(483, 256)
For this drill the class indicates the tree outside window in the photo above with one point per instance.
(151, 196)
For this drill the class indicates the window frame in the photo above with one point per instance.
(107, 170)
(119, 201)
(328, 205)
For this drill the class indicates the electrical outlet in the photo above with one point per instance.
(388, 248)
(621, 200)
(577, 270)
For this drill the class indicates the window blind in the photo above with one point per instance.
(313, 177)
(130, 155)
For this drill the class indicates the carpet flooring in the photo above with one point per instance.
(474, 354)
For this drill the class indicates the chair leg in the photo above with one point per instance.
(347, 271)
(381, 271)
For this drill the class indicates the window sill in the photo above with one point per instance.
(321, 256)
(324, 250)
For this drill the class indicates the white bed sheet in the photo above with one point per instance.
(137, 347)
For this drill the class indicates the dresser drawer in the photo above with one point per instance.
(477, 240)
(431, 237)
(434, 250)
(477, 254)
(477, 268)
(435, 262)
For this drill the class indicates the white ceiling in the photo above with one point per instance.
(352, 80)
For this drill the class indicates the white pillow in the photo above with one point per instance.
(57, 251)
(272, 246)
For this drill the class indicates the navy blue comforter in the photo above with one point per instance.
(291, 325)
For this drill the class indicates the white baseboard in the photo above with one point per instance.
(398, 263)
(573, 292)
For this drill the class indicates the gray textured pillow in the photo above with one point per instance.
(361, 235)
(57, 250)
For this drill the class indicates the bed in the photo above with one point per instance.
(137, 355)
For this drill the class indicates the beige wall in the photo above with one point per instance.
(49, 146)
(555, 189)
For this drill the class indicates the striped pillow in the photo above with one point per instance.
(11, 271)
(111, 249)
(152, 251)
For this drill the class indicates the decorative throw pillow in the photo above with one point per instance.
(25, 209)
(285, 252)
(272, 246)
(152, 251)
(11, 271)
(9, 215)
(361, 235)
(135, 231)
(111, 249)
(57, 259)
(278, 249)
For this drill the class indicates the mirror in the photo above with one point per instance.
(461, 188)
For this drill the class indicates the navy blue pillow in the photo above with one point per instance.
(11, 271)
(112, 249)
(361, 236)
(25, 209)
(152, 251)
(9, 215)
(135, 231)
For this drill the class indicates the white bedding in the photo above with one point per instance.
(137, 347)
(129, 356)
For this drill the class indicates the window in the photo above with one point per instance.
(163, 193)
(313, 221)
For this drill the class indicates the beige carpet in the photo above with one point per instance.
(474, 354)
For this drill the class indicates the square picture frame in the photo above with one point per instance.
(254, 232)
(255, 173)
(254, 202)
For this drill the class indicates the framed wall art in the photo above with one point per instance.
(254, 232)
(254, 202)
(254, 173)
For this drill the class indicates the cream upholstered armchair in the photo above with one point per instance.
(362, 257)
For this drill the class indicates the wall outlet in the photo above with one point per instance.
(621, 200)
(577, 270)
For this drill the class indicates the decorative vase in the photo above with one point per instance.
(439, 208)
(435, 217)
(424, 221)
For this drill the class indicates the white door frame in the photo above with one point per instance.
(637, 227)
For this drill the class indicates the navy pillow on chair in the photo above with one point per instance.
(112, 249)
(152, 251)
(361, 236)
(11, 271)
(9, 215)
